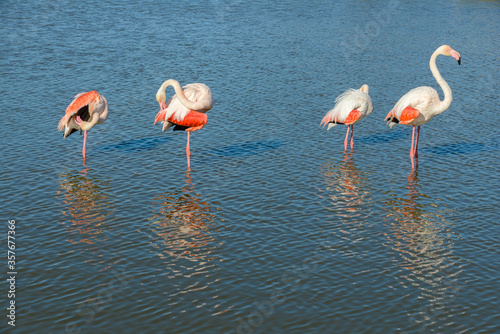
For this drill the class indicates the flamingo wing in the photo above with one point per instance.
(200, 92)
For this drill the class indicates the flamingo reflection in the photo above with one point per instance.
(349, 200)
(413, 217)
(84, 197)
(182, 233)
(422, 241)
(345, 185)
(183, 224)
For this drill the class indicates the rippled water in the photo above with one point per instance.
(275, 229)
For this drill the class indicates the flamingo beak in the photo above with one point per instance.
(456, 55)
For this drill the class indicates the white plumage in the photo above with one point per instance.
(424, 99)
(350, 107)
(345, 103)
(194, 92)
(421, 104)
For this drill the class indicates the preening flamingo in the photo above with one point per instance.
(185, 110)
(350, 107)
(86, 110)
(420, 104)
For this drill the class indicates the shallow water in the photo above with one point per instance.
(275, 229)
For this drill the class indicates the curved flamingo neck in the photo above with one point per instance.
(200, 105)
(86, 126)
(103, 115)
(448, 97)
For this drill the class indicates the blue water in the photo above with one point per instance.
(275, 229)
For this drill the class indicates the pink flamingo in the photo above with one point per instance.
(420, 104)
(86, 110)
(186, 109)
(350, 107)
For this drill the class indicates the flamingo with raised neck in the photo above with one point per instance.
(420, 104)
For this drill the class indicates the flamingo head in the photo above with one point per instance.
(448, 51)
(364, 88)
(161, 97)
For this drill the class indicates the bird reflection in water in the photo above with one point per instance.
(422, 240)
(414, 221)
(346, 185)
(84, 197)
(348, 196)
(183, 231)
(183, 224)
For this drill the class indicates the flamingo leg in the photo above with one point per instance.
(84, 151)
(352, 136)
(412, 152)
(416, 146)
(416, 141)
(346, 137)
(188, 152)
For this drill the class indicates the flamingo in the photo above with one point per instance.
(185, 110)
(86, 110)
(350, 107)
(420, 104)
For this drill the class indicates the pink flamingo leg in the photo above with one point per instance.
(416, 146)
(79, 121)
(346, 137)
(188, 152)
(412, 152)
(84, 151)
(352, 136)
(416, 141)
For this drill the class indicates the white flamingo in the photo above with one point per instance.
(420, 104)
(186, 110)
(350, 107)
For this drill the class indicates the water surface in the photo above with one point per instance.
(275, 229)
